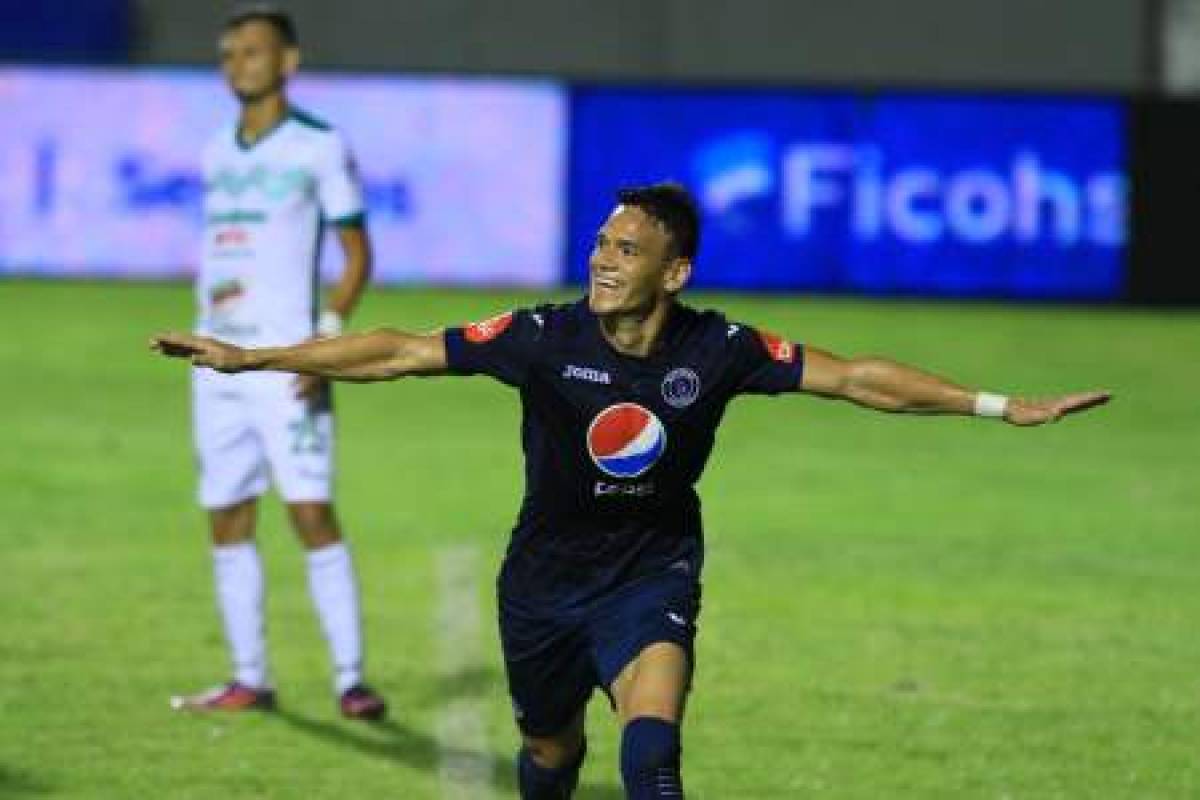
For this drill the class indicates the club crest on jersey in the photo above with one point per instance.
(488, 329)
(778, 348)
(681, 387)
(625, 440)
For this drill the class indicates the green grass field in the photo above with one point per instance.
(895, 607)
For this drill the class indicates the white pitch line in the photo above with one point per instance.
(465, 768)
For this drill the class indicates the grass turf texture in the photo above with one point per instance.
(894, 607)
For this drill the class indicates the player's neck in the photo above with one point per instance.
(636, 333)
(261, 116)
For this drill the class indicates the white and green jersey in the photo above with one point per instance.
(265, 206)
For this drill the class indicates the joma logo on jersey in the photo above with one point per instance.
(586, 374)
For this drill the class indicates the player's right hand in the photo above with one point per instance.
(201, 351)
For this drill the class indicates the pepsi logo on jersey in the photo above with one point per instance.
(625, 440)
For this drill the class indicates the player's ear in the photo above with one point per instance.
(291, 60)
(676, 275)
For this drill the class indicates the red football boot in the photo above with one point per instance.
(362, 702)
(233, 696)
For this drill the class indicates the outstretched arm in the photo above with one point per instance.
(379, 355)
(356, 252)
(888, 386)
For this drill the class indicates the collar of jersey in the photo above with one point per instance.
(262, 137)
(667, 337)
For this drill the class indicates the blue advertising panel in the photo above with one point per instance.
(890, 193)
(102, 172)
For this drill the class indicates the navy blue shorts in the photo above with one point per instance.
(554, 662)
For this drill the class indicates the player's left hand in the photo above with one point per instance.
(1037, 412)
(201, 351)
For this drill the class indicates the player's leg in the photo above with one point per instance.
(334, 590)
(232, 476)
(238, 574)
(315, 523)
(550, 680)
(654, 684)
(300, 443)
(233, 524)
(548, 765)
(650, 694)
(644, 650)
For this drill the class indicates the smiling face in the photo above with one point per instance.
(255, 60)
(633, 265)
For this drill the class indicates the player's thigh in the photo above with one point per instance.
(644, 645)
(654, 684)
(550, 675)
(299, 439)
(230, 456)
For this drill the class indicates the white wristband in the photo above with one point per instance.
(329, 323)
(990, 405)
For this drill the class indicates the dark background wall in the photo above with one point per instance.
(1037, 44)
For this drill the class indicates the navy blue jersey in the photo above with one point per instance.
(614, 444)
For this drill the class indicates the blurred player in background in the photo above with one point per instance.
(622, 394)
(272, 180)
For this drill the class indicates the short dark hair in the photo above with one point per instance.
(672, 206)
(274, 16)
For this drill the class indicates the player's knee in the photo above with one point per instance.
(650, 757)
(553, 774)
(315, 524)
(233, 524)
(555, 752)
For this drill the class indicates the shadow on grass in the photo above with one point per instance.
(15, 783)
(393, 741)
(476, 681)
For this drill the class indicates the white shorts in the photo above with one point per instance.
(250, 428)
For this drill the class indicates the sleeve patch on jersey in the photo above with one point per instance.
(488, 329)
(778, 348)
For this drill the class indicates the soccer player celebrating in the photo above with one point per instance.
(270, 181)
(622, 393)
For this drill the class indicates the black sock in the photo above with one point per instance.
(539, 783)
(650, 758)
